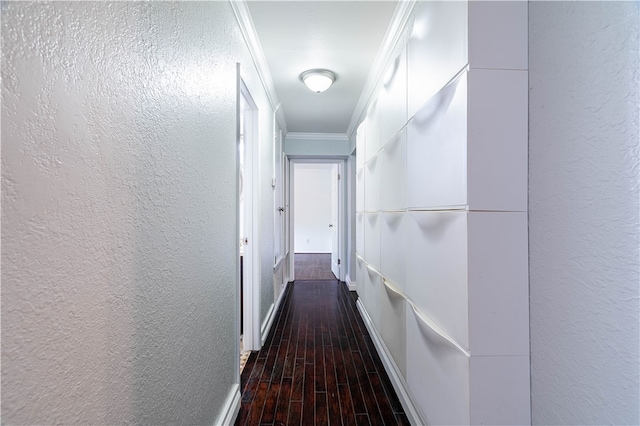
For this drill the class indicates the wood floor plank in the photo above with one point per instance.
(338, 365)
(251, 385)
(297, 389)
(246, 372)
(269, 363)
(346, 406)
(271, 399)
(278, 364)
(284, 399)
(290, 359)
(362, 420)
(322, 410)
(302, 335)
(319, 372)
(386, 412)
(318, 365)
(354, 384)
(295, 413)
(396, 406)
(333, 397)
(367, 391)
(309, 395)
(255, 412)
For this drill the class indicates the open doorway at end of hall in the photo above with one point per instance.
(316, 221)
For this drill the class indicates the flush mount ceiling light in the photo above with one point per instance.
(318, 80)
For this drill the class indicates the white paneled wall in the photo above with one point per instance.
(437, 149)
(437, 269)
(437, 49)
(393, 248)
(372, 239)
(441, 217)
(393, 173)
(373, 282)
(393, 328)
(498, 131)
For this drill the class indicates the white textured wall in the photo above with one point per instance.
(312, 200)
(583, 195)
(118, 211)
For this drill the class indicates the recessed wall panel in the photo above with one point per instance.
(437, 374)
(361, 277)
(372, 296)
(360, 190)
(372, 141)
(372, 239)
(437, 149)
(498, 140)
(393, 99)
(361, 144)
(393, 173)
(437, 269)
(437, 49)
(372, 184)
(498, 36)
(498, 283)
(360, 232)
(393, 325)
(499, 390)
(394, 247)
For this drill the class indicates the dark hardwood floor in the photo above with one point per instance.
(318, 366)
(313, 266)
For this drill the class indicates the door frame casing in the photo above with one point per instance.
(250, 300)
(342, 188)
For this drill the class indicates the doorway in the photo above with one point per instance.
(316, 237)
(247, 204)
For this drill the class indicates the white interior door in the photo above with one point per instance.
(248, 203)
(335, 222)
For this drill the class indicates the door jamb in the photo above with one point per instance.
(342, 188)
(251, 299)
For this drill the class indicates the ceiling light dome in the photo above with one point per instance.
(318, 80)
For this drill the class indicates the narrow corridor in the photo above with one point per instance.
(318, 365)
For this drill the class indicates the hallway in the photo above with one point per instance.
(318, 365)
(488, 212)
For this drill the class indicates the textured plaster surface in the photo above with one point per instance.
(118, 211)
(583, 195)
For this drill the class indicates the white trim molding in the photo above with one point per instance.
(271, 315)
(248, 30)
(317, 136)
(231, 407)
(385, 55)
(351, 285)
(399, 383)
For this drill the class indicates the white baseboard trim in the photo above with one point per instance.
(231, 407)
(268, 322)
(399, 383)
(266, 325)
(350, 284)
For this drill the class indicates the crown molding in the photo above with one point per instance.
(383, 59)
(317, 136)
(248, 30)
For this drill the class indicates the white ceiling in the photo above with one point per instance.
(341, 36)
